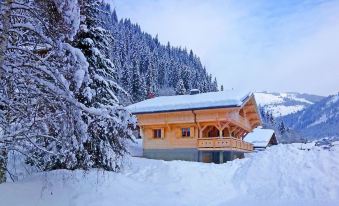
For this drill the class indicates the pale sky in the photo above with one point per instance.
(257, 45)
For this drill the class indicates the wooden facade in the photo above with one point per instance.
(208, 129)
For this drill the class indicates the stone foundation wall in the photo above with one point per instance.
(172, 154)
(192, 155)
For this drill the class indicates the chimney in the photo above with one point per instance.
(194, 91)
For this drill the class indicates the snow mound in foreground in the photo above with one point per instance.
(281, 175)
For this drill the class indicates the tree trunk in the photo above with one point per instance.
(3, 164)
(4, 34)
(6, 7)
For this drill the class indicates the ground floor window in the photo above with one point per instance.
(157, 133)
(185, 132)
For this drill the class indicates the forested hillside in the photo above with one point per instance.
(147, 68)
(274, 105)
(299, 117)
(318, 120)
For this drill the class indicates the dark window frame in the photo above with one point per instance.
(157, 133)
(186, 132)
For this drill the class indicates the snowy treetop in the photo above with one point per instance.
(229, 98)
(259, 137)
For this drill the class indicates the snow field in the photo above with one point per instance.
(281, 175)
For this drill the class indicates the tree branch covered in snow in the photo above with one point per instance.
(57, 102)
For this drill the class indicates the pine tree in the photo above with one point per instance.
(282, 128)
(58, 106)
(139, 90)
(185, 76)
(114, 17)
(271, 119)
(222, 88)
(39, 112)
(108, 133)
(180, 89)
(151, 79)
(215, 85)
(126, 81)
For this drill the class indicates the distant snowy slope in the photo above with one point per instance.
(281, 175)
(318, 120)
(281, 104)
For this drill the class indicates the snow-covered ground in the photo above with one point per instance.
(281, 175)
(135, 148)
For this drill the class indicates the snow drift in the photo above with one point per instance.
(281, 175)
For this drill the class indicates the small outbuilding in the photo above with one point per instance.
(261, 138)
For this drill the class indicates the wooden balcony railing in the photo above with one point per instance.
(224, 143)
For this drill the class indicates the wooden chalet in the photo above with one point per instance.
(205, 127)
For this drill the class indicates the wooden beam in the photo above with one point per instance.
(168, 127)
(242, 134)
(202, 130)
(225, 125)
(237, 132)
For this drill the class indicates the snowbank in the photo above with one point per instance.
(280, 175)
(135, 148)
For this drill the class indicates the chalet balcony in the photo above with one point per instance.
(224, 143)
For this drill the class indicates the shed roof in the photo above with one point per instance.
(230, 98)
(259, 137)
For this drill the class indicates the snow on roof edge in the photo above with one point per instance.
(259, 137)
(185, 109)
(196, 102)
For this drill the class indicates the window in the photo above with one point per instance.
(157, 133)
(185, 132)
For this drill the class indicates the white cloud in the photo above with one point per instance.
(256, 45)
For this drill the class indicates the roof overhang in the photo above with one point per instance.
(187, 109)
(244, 100)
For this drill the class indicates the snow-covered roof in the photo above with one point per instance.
(220, 99)
(259, 137)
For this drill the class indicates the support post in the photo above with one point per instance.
(221, 157)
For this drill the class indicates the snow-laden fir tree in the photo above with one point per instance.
(180, 89)
(126, 77)
(214, 85)
(109, 131)
(186, 76)
(151, 79)
(139, 90)
(39, 114)
(282, 128)
(58, 106)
